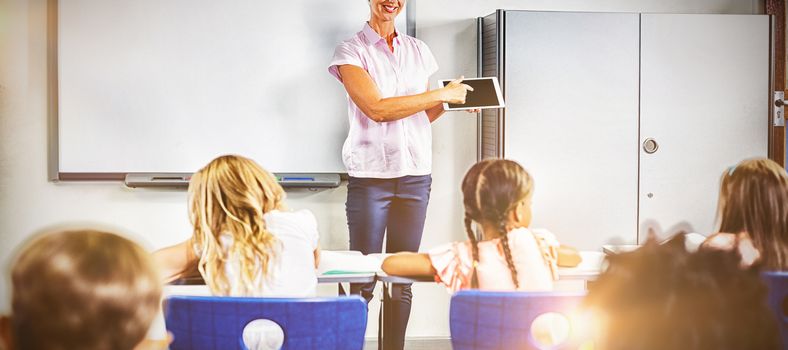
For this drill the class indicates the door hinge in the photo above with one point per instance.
(778, 116)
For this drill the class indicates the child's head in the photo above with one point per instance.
(227, 201)
(497, 193)
(754, 199)
(663, 297)
(82, 290)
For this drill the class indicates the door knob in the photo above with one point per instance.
(650, 145)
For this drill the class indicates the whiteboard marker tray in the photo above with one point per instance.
(287, 180)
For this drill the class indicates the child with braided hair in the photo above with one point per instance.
(508, 255)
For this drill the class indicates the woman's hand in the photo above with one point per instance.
(455, 91)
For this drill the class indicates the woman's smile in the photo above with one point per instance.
(390, 8)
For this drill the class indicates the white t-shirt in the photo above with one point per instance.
(292, 273)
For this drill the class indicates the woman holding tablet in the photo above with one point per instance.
(388, 150)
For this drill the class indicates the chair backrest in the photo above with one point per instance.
(502, 320)
(777, 281)
(303, 323)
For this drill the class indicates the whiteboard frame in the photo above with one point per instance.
(53, 107)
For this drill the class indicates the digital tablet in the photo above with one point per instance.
(486, 94)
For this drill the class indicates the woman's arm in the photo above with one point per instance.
(568, 256)
(408, 264)
(365, 94)
(435, 112)
(175, 261)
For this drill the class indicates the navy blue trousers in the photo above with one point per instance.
(394, 208)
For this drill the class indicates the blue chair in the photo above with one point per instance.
(303, 323)
(778, 300)
(502, 320)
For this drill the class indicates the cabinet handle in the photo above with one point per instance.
(650, 145)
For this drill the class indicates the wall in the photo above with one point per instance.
(28, 202)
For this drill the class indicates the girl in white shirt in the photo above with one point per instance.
(244, 242)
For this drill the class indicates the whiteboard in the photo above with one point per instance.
(167, 85)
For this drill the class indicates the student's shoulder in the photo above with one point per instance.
(459, 248)
(539, 233)
(720, 240)
(300, 218)
(532, 237)
(301, 215)
(730, 241)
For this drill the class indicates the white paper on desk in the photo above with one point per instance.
(339, 262)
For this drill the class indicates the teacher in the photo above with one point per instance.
(388, 150)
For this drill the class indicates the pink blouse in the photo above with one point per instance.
(397, 148)
(534, 253)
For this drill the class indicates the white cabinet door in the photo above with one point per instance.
(704, 99)
(571, 88)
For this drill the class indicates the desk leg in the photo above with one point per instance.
(341, 290)
(384, 304)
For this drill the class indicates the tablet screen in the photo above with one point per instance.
(484, 94)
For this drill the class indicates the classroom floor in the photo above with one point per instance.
(416, 344)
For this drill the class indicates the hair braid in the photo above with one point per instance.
(475, 250)
(507, 252)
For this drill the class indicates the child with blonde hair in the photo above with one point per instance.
(244, 243)
(508, 256)
(752, 213)
(81, 289)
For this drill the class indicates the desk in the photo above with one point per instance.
(565, 273)
(333, 278)
(196, 284)
(588, 270)
(367, 277)
(347, 278)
